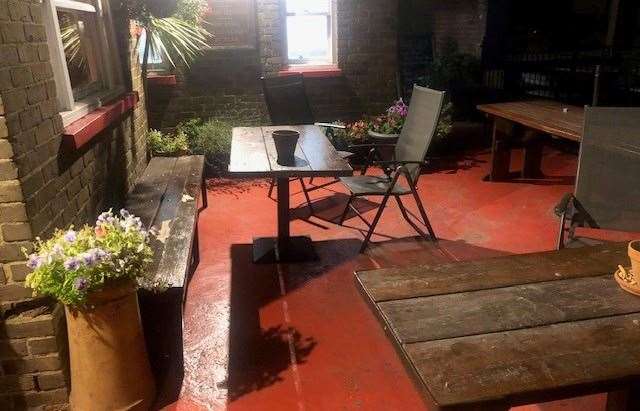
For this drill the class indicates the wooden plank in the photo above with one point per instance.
(529, 364)
(248, 155)
(320, 153)
(546, 116)
(422, 281)
(504, 309)
(144, 200)
(176, 258)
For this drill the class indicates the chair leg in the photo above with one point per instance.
(372, 228)
(346, 209)
(271, 187)
(403, 210)
(306, 195)
(423, 214)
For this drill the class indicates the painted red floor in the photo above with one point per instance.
(302, 338)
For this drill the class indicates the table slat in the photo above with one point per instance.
(505, 309)
(518, 365)
(417, 281)
(248, 155)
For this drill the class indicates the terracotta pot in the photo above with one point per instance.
(108, 357)
(286, 141)
(634, 256)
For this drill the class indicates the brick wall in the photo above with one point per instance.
(224, 83)
(464, 21)
(42, 187)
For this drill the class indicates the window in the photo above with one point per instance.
(83, 55)
(311, 32)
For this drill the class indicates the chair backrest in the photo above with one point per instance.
(287, 100)
(608, 183)
(419, 127)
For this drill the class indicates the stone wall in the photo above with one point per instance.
(224, 83)
(44, 186)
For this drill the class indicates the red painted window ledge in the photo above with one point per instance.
(162, 80)
(312, 71)
(81, 131)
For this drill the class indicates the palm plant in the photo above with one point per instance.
(178, 38)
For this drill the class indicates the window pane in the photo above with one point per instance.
(308, 6)
(79, 39)
(308, 39)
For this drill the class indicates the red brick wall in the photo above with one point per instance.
(43, 187)
(464, 21)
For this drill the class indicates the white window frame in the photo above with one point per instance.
(332, 22)
(107, 56)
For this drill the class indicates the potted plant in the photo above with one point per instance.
(386, 128)
(94, 272)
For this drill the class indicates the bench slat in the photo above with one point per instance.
(176, 257)
(144, 201)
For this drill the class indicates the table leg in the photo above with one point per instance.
(533, 146)
(624, 400)
(284, 218)
(283, 248)
(500, 149)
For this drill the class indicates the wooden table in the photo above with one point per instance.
(253, 154)
(528, 120)
(488, 335)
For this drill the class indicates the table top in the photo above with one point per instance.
(543, 115)
(511, 330)
(253, 154)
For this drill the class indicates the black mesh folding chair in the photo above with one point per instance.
(409, 157)
(607, 192)
(288, 104)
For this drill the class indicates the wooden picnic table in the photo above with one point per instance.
(253, 154)
(508, 331)
(527, 121)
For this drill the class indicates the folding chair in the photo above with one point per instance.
(409, 157)
(287, 104)
(607, 192)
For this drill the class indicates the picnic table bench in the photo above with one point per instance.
(166, 197)
(508, 331)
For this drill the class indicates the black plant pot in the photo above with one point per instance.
(286, 141)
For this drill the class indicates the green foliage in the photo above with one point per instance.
(72, 264)
(445, 123)
(162, 144)
(452, 69)
(211, 138)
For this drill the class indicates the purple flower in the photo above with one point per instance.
(72, 263)
(34, 261)
(101, 254)
(80, 283)
(70, 236)
(124, 213)
(57, 251)
(89, 258)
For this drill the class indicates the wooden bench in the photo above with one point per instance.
(166, 197)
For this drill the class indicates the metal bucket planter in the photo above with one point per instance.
(109, 364)
(382, 138)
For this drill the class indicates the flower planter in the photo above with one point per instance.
(382, 138)
(286, 142)
(634, 256)
(109, 365)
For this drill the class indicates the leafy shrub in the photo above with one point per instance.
(162, 144)
(211, 138)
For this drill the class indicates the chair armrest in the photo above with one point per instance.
(564, 204)
(399, 163)
(370, 145)
(331, 125)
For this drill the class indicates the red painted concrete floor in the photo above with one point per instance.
(302, 338)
